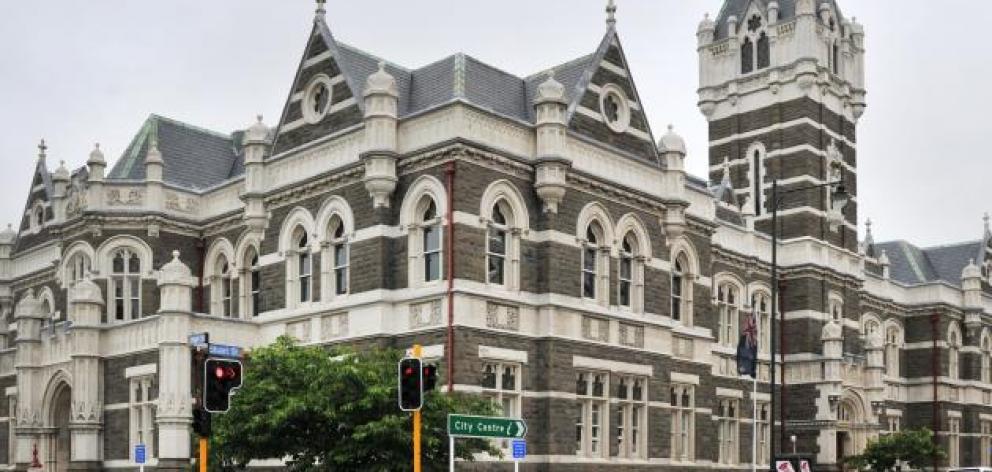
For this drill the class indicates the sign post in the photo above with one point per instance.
(466, 426)
(519, 452)
(139, 456)
(417, 352)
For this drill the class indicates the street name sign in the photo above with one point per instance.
(465, 426)
(519, 449)
(199, 339)
(224, 350)
(139, 453)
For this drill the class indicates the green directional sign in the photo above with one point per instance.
(486, 427)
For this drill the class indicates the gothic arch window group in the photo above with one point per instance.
(755, 46)
(505, 215)
(422, 216)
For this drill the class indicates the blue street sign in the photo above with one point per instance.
(223, 350)
(199, 339)
(519, 449)
(139, 453)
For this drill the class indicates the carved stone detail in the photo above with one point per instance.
(595, 329)
(334, 326)
(133, 197)
(425, 314)
(499, 316)
(631, 335)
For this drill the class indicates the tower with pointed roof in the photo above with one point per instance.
(782, 86)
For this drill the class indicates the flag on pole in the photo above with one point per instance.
(747, 348)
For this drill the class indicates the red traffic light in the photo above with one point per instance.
(224, 373)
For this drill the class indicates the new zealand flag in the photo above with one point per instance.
(747, 348)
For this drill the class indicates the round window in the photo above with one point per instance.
(318, 98)
(614, 108)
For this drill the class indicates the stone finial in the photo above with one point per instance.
(8, 234)
(550, 90)
(381, 82)
(985, 219)
(257, 133)
(85, 291)
(321, 11)
(42, 148)
(707, 24)
(672, 142)
(884, 258)
(726, 172)
(175, 272)
(62, 173)
(153, 156)
(611, 13)
(971, 271)
(96, 156)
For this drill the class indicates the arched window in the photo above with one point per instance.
(591, 265)
(761, 303)
(893, 344)
(727, 298)
(631, 273)
(747, 56)
(47, 307)
(125, 285)
(764, 51)
(251, 285)
(430, 229)
(987, 360)
(835, 58)
(870, 326)
(757, 177)
(682, 290)
(835, 308)
(953, 353)
(38, 216)
(336, 260)
(222, 300)
(300, 269)
(496, 245)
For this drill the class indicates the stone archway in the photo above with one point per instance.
(852, 427)
(60, 440)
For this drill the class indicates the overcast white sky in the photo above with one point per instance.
(80, 72)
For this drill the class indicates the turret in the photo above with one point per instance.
(97, 166)
(704, 33)
(381, 111)
(256, 142)
(971, 285)
(154, 171)
(550, 107)
(60, 189)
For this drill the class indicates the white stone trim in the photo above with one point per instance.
(501, 354)
(613, 68)
(582, 362)
(729, 393)
(11, 391)
(984, 417)
(141, 370)
(334, 108)
(953, 413)
(596, 116)
(678, 377)
(761, 396)
(780, 126)
(317, 59)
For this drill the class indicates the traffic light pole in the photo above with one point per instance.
(203, 454)
(417, 353)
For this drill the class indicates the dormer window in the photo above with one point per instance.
(755, 38)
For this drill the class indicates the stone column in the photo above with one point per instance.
(86, 418)
(30, 388)
(174, 414)
(830, 390)
(874, 372)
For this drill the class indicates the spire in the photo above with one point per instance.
(611, 13)
(988, 232)
(320, 8)
(42, 147)
(869, 239)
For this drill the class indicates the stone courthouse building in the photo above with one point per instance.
(535, 234)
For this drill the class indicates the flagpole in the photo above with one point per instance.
(754, 395)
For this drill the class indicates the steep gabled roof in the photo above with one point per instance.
(193, 157)
(911, 265)
(738, 8)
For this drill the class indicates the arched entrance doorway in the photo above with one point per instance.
(852, 428)
(59, 441)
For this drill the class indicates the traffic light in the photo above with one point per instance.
(411, 378)
(220, 378)
(430, 377)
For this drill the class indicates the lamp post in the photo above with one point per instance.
(839, 199)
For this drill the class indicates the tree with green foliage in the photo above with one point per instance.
(335, 410)
(915, 448)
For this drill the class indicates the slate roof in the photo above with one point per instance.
(194, 158)
(911, 265)
(786, 11)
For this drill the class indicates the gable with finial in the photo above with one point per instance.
(38, 207)
(325, 96)
(605, 106)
